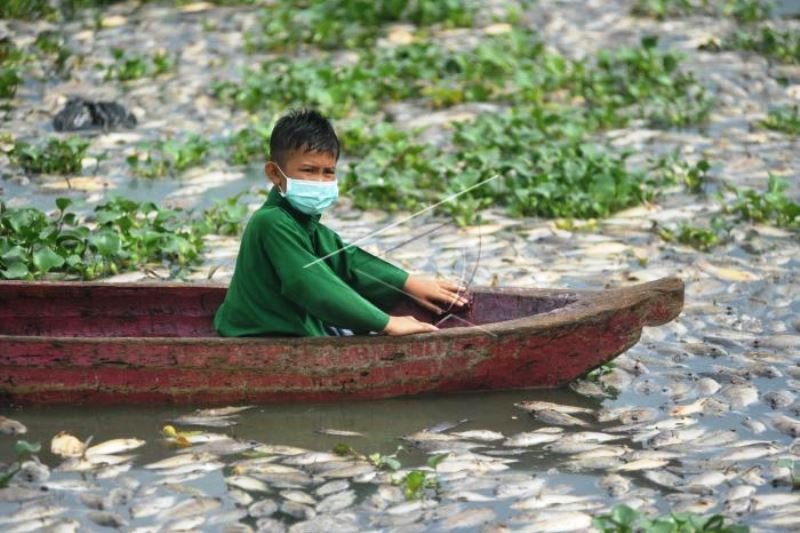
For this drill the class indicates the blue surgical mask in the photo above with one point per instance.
(308, 196)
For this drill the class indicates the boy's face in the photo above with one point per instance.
(312, 166)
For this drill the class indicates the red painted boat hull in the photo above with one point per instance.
(154, 343)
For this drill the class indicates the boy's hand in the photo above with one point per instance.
(431, 293)
(407, 325)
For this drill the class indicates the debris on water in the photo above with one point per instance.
(80, 114)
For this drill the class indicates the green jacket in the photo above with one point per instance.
(274, 291)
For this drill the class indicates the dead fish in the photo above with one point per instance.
(297, 510)
(748, 453)
(676, 436)
(778, 399)
(336, 502)
(715, 439)
(535, 405)
(181, 460)
(279, 449)
(247, 483)
(550, 416)
(546, 500)
(298, 496)
(9, 426)
(617, 379)
(766, 501)
(197, 505)
(33, 472)
(338, 432)
(663, 478)
(424, 436)
(739, 491)
(588, 388)
(311, 458)
(480, 434)
(787, 425)
(332, 486)
(638, 415)
(142, 508)
(715, 407)
(599, 463)
(470, 518)
(66, 445)
(445, 426)
(708, 480)
(642, 464)
(262, 508)
(113, 446)
(107, 519)
(688, 409)
(756, 426)
(615, 485)
(707, 386)
(570, 446)
(740, 395)
(222, 411)
(227, 446)
(601, 452)
(35, 511)
(531, 438)
(519, 489)
(207, 421)
(558, 522)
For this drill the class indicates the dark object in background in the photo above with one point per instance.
(80, 114)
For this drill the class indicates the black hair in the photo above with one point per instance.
(302, 129)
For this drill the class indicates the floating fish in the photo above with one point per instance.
(550, 416)
(786, 424)
(480, 434)
(536, 405)
(113, 446)
(9, 426)
(222, 411)
(338, 432)
(445, 426)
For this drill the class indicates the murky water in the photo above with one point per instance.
(714, 384)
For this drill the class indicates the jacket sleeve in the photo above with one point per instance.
(375, 279)
(313, 285)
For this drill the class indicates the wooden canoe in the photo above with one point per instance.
(146, 343)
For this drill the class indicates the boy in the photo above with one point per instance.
(293, 275)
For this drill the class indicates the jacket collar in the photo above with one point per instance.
(274, 198)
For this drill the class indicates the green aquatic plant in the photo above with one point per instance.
(120, 235)
(643, 82)
(771, 206)
(169, 156)
(349, 23)
(52, 46)
(249, 144)
(701, 238)
(783, 119)
(11, 59)
(23, 450)
(544, 168)
(623, 519)
(782, 46)
(742, 10)
(128, 67)
(56, 156)
(226, 217)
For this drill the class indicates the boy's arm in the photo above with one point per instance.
(313, 285)
(375, 279)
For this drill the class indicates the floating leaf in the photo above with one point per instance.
(23, 447)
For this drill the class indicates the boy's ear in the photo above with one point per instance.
(271, 171)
